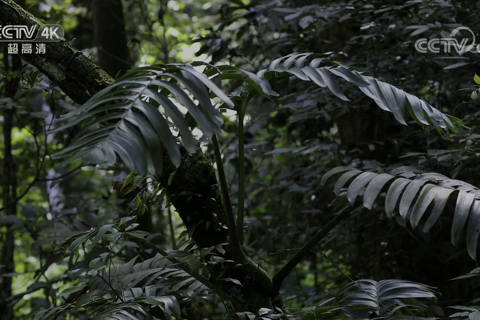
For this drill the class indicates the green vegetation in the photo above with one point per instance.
(241, 160)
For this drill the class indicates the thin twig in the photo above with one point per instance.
(111, 287)
(39, 166)
(13, 299)
(62, 176)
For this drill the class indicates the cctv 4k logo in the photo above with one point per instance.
(23, 33)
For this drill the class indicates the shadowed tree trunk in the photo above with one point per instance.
(11, 63)
(110, 37)
(9, 187)
(114, 57)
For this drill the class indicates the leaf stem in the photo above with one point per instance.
(290, 265)
(243, 261)
(241, 169)
(170, 224)
(239, 255)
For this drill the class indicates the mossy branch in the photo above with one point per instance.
(74, 73)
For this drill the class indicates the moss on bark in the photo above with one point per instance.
(195, 193)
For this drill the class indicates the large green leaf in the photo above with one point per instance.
(130, 119)
(386, 299)
(411, 197)
(306, 66)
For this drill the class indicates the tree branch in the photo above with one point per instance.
(13, 299)
(74, 73)
(37, 173)
(290, 265)
(62, 176)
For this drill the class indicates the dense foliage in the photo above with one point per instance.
(240, 160)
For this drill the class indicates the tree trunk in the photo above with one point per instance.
(9, 184)
(110, 37)
(9, 187)
(114, 57)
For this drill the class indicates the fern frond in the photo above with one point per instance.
(370, 299)
(307, 67)
(362, 297)
(124, 119)
(410, 192)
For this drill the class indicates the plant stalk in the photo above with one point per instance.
(227, 206)
(290, 265)
(170, 224)
(246, 264)
(241, 170)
